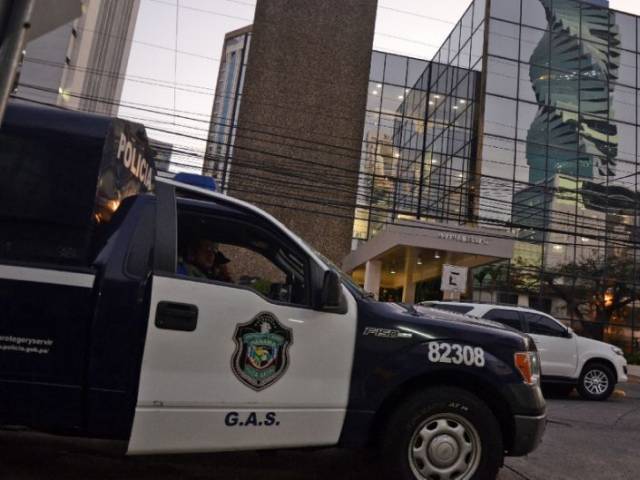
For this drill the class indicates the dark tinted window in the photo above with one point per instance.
(452, 308)
(510, 318)
(47, 192)
(239, 252)
(541, 325)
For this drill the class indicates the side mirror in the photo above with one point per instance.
(331, 293)
(569, 333)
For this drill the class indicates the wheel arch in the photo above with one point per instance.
(485, 391)
(602, 360)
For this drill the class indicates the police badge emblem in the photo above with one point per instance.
(261, 356)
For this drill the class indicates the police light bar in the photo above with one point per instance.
(195, 180)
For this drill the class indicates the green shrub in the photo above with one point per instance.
(633, 358)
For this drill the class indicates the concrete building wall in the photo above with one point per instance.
(44, 64)
(162, 152)
(301, 120)
(102, 55)
(85, 58)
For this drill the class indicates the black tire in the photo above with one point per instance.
(435, 406)
(587, 389)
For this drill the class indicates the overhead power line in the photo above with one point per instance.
(289, 158)
(331, 147)
(487, 221)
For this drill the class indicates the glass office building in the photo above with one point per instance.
(226, 106)
(525, 122)
(393, 78)
(418, 139)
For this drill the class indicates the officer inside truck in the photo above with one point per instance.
(204, 259)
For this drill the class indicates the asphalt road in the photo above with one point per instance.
(586, 441)
(583, 441)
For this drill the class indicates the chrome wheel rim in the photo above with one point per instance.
(445, 447)
(596, 382)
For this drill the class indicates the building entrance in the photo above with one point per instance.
(406, 259)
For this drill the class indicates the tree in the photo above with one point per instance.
(505, 277)
(596, 288)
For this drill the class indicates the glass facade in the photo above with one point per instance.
(447, 182)
(526, 121)
(420, 133)
(559, 162)
(391, 82)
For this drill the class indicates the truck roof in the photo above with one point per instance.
(26, 116)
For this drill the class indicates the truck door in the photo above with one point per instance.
(46, 312)
(235, 356)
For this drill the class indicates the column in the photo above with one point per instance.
(372, 276)
(523, 300)
(408, 285)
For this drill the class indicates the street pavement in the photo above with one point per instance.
(584, 441)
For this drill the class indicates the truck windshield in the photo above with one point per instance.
(346, 279)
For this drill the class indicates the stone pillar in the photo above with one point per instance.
(523, 300)
(408, 285)
(302, 116)
(372, 277)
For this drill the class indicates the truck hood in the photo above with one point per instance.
(430, 323)
(456, 317)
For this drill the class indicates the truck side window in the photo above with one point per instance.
(232, 252)
(541, 325)
(510, 318)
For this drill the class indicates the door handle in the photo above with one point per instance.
(177, 316)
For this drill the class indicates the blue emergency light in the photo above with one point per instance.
(200, 181)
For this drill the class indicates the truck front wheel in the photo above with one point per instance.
(444, 433)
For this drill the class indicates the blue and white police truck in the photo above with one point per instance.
(103, 334)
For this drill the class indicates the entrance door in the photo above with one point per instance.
(235, 356)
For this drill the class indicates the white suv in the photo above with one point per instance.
(567, 360)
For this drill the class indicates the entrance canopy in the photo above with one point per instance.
(410, 252)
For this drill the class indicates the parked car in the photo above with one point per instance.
(567, 359)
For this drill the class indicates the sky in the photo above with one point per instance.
(174, 60)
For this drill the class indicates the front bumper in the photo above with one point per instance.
(528, 434)
(622, 371)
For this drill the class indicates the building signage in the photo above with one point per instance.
(463, 238)
(454, 279)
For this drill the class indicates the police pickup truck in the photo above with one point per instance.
(284, 352)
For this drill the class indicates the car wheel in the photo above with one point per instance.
(597, 382)
(442, 434)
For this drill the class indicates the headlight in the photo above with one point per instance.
(617, 351)
(528, 364)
